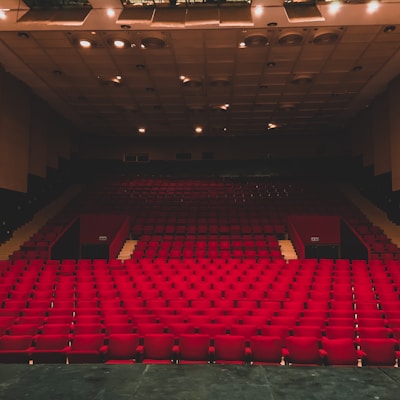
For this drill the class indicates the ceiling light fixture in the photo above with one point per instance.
(198, 129)
(334, 7)
(141, 130)
(110, 12)
(272, 125)
(3, 13)
(119, 44)
(85, 43)
(258, 11)
(373, 6)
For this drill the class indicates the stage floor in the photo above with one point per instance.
(196, 382)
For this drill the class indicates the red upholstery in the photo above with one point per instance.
(86, 348)
(193, 348)
(378, 351)
(50, 349)
(157, 348)
(340, 351)
(266, 349)
(230, 349)
(303, 350)
(121, 348)
(15, 349)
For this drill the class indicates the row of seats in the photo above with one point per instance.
(191, 348)
(250, 327)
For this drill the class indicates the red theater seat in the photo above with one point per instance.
(50, 349)
(15, 349)
(267, 350)
(230, 349)
(157, 348)
(121, 348)
(303, 350)
(86, 349)
(379, 352)
(193, 348)
(341, 352)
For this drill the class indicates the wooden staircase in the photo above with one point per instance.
(287, 250)
(127, 250)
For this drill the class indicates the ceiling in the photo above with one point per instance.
(307, 75)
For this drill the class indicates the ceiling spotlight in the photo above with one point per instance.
(373, 6)
(119, 44)
(334, 7)
(242, 45)
(272, 125)
(110, 12)
(141, 130)
(85, 43)
(198, 129)
(258, 11)
(3, 14)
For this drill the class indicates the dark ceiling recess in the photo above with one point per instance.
(153, 43)
(291, 39)
(256, 41)
(326, 38)
(56, 3)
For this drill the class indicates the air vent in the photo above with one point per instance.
(325, 38)
(152, 43)
(291, 39)
(256, 41)
(302, 79)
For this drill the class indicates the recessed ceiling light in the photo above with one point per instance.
(242, 45)
(85, 43)
(198, 129)
(142, 130)
(272, 125)
(140, 66)
(325, 38)
(271, 64)
(357, 68)
(110, 12)
(373, 6)
(334, 7)
(290, 39)
(256, 41)
(119, 43)
(3, 13)
(258, 11)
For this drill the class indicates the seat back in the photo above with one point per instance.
(340, 351)
(122, 346)
(158, 346)
(194, 347)
(229, 348)
(266, 349)
(87, 342)
(303, 350)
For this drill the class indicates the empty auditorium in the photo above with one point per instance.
(200, 199)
